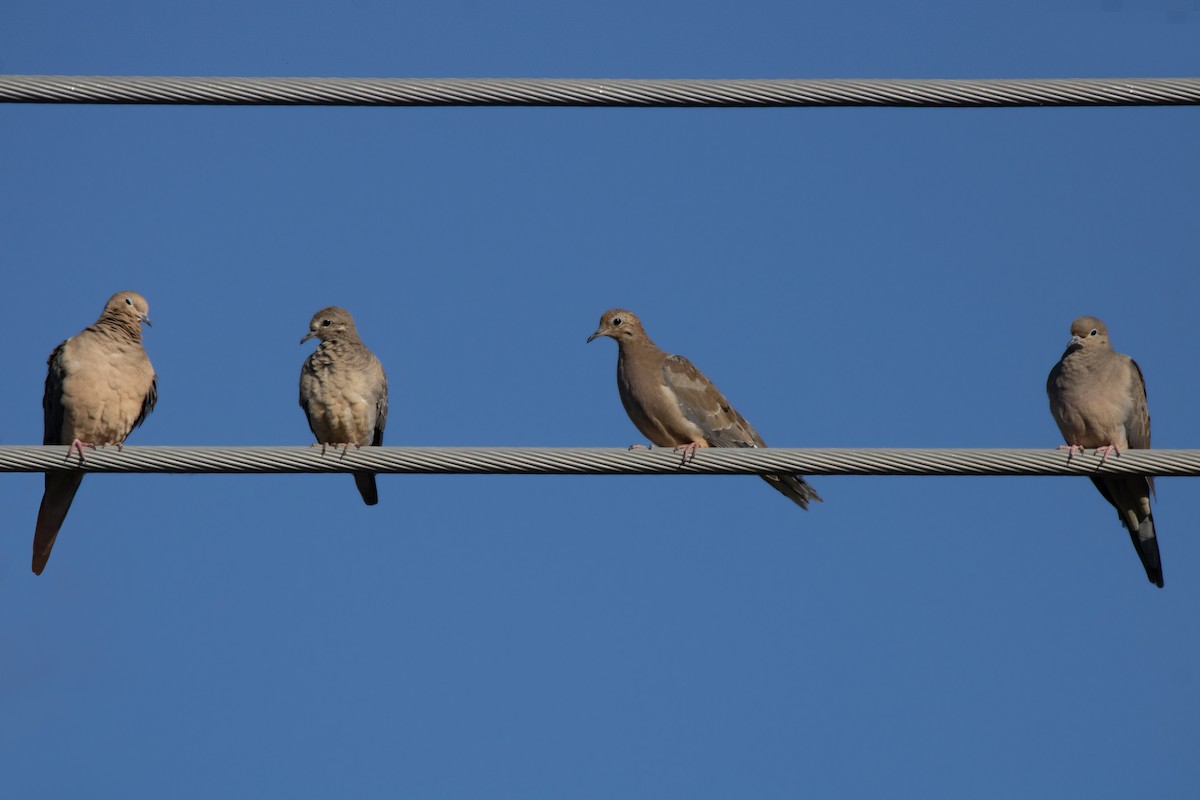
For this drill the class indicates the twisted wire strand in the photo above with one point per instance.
(597, 461)
(642, 93)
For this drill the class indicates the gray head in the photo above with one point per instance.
(330, 324)
(620, 325)
(1088, 333)
(128, 308)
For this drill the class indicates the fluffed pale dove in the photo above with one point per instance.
(343, 390)
(99, 387)
(674, 405)
(1098, 399)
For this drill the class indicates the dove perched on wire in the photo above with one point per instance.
(1098, 398)
(343, 390)
(674, 405)
(99, 387)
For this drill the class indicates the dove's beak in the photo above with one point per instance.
(308, 336)
(146, 319)
(595, 335)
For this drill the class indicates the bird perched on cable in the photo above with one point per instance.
(1098, 398)
(674, 405)
(99, 387)
(343, 390)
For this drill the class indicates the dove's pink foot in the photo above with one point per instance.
(1105, 450)
(640, 447)
(335, 445)
(77, 446)
(1071, 449)
(688, 450)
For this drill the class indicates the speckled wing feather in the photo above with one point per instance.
(1137, 426)
(704, 405)
(381, 409)
(52, 409)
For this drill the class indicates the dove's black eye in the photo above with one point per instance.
(616, 320)
(1094, 332)
(326, 322)
(128, 301)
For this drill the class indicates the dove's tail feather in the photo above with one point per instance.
(795, 488)
(1146, 544)
(365, 481)
(60, 491)
(1131, 498)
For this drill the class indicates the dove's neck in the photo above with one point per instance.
(343, 344)
(1086, 356)
(118, 328)
(637, 356)
(634, 350)
(632, 345)
(345, 351)
(342, 339)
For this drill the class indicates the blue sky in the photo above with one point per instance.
(848, 277)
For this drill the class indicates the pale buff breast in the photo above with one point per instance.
(104, 389)
(340, 410)
(1089, 417)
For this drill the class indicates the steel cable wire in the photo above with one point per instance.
(644, 93)
(597, 461)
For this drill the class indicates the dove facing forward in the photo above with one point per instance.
(99, 387)
(674, 405)
(1098, 398)
(343, 390)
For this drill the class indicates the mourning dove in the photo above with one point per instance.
(343, 390)
(1098, 399)
(99, 387)
(674, 405)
